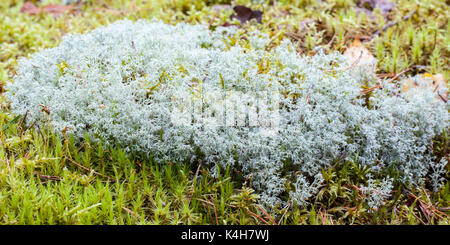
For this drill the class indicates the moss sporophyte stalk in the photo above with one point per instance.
(183, 93)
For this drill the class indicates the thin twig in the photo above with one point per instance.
(7, 164)
(364, 91)
(23, 121)
(214, 207)
(131, 212)
(331, 41)
(433, 209)
(442, 98)
(307, 98)
(194, 181)
(48, 177)
(388, 25)
(229, 205)
(267, 223)
(421, 221)
(267, 215)
(207, 202)
(293, 35)
(323, 217)
(215, 211)
(88, 169)
(42, 135)
(32, 125)
(353, 65)
(285, 211)
(198, 169)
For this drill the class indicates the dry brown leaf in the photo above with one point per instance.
(435, 81)
(29, 8)
(359, 55)
(57, 9)
(244, 14)
(54, 9)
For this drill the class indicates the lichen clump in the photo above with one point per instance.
(185, 93)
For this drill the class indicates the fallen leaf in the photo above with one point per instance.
(437, 82)
(359, 55)
(245, 14)
(29, 8)
(54, 9)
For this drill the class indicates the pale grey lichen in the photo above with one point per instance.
(437, 174)
(304, 190)
(377, 193)
(184, 93)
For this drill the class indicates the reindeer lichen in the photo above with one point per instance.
(185, 93)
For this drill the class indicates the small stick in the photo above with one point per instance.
(323, 217)
(385, 27)
(48, 177)
(88, 169)
(207, 202)
(198, 169)
(267, 223)
(349, 67)
(421, 221)
(293, 35)
(331, 41)
(385, 75)
(214, 207)
(364, 91)
(442, 98)
(131, 212)
(7, 164)
(112, 181)
(267, 215)
(307, 98)
(285, 211)
(429, 206)
(195, 178)
(215, 211)
(23, 121)
(32, 125)
(42, 135)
